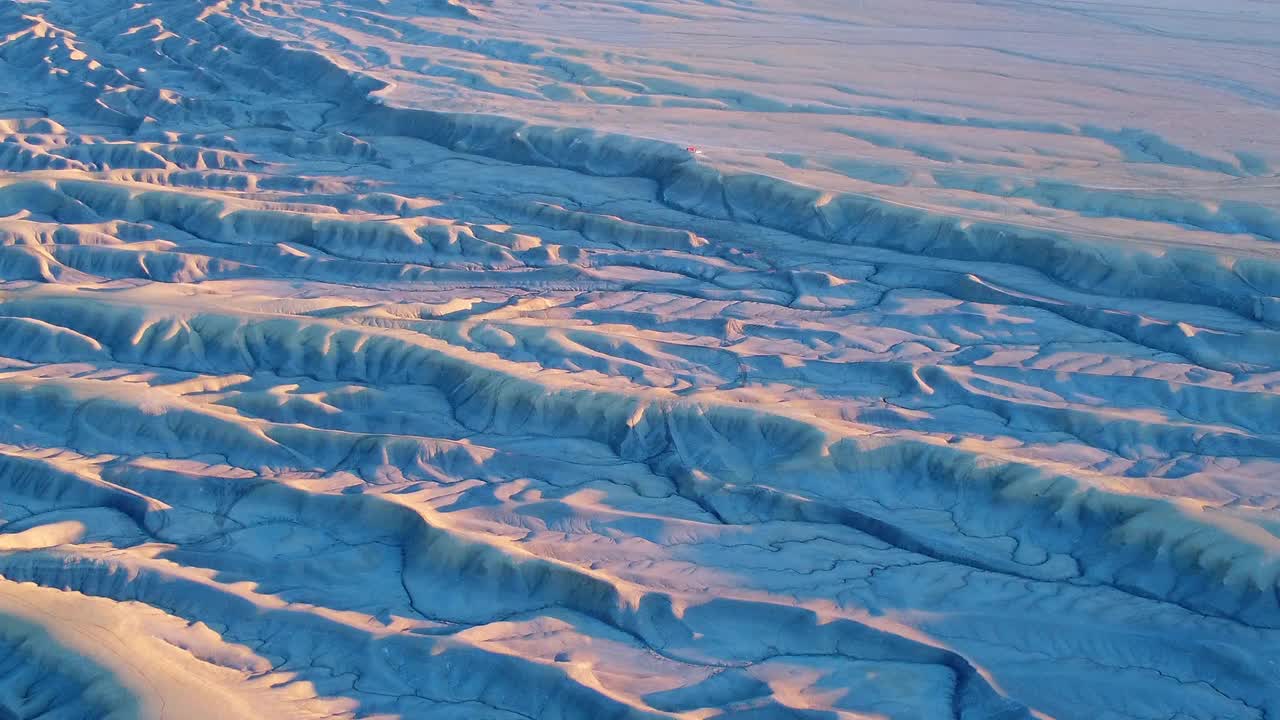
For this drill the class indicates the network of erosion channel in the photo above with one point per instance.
(313, 407)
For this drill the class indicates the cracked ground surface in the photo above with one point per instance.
(316, 405)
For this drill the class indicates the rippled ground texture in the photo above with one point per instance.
(340, 377)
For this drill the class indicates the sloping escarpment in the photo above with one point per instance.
(313, 404)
